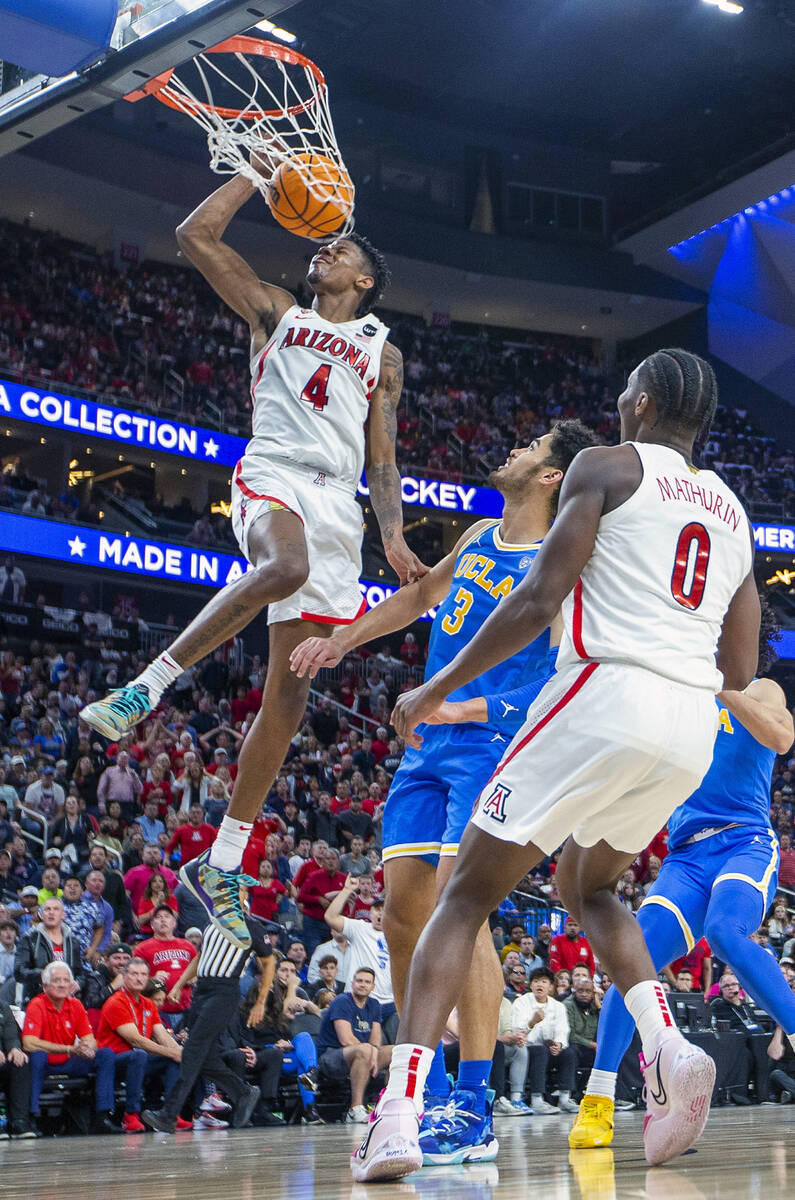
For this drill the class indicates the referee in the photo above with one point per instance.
(216, 999)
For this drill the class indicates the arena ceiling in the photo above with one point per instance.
(675, 93)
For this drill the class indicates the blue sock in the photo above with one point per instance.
(473, 1076)
(437, 1083)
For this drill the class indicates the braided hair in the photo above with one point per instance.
(683, 387)
(769, 632)
(378, 268)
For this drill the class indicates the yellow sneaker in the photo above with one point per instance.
(593, 1125)
(595, 1173)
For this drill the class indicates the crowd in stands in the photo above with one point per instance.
(95, 923)
(69, 317)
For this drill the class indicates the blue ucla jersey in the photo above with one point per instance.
(486, 570)
(735, 788)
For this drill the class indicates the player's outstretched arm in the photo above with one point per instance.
(262, 305)
(396, 612)
(531, 607)
(762, 708)
(383, 477)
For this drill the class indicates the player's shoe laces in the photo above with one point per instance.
(593, 1125)
(435, 1108)
(679, 1080)
(119, 712)
(460, 1135)
(391, 1148)
(219, 892)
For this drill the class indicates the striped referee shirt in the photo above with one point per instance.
(221, 959)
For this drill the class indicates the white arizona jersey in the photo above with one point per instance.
(311, 387)
(665, 566)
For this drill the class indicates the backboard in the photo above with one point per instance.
(149, 36)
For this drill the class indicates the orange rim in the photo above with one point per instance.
(236, 45)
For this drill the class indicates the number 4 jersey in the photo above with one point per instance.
(665, 566)
(311, 387)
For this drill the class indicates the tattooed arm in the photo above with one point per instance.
(383, 477)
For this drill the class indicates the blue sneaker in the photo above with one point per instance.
(219, 892)
(119, 712)
(520, 1108)
(461, 1135)
(436, 1107)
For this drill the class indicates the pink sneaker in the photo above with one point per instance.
(679, 1082)
(391, 1148)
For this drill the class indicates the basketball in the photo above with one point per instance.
(310, 195)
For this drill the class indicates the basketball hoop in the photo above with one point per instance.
(284, 114)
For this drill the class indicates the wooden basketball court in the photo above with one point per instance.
(745, 1154)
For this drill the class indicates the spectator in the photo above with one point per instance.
(562, 982)
(130, 1026)
(514, 942)
(786, 871)
(150, 823)
(734, 1008)
(337, 945)
(355, 862)
(45, 797)
(12, 582)
(106, 978)
(73, 832)
(25, 912)
(296, 953)
(50, 885)
(167, 957)
(582, 1010)
(328, 977)
(527, 954)
(367, 946)
(684, 980)
(58, 1038)
(570, 947)
(156, 895)
(315, 895)
(349, 1042)
(51, 942)
(24, 867)
(266, 898)
(114, 892)
(9, 931)
(14, 1076)
(322, 823)
(192, 839)
(545, 1025)
(699, 961)
(94, 900)
(136, 878)
(543, 942)
(781, 1054)
(119, 782)
(353, 822)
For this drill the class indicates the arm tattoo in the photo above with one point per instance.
(384, 479)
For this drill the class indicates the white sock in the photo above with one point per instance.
(407, 1074)
(227, 849)
(564, 1095)
(516, 1095)
(535, 1101)
(791, 1039)
(648, 1007)
(602, 1083)
(159, 675)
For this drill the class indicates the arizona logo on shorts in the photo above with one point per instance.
(320, 479)
(495, 805)
(242, 512)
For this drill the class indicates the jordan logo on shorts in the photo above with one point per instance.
(494, 807)
(320, 479)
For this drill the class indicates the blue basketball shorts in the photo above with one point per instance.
(435, 788)
(746, 855)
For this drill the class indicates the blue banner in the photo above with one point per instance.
(123, 427)
(136, 555)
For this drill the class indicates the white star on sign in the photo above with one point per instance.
(76, 547)
(211, 448)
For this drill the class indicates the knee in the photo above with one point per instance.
(279, 578)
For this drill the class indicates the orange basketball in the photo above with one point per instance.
(310, 195)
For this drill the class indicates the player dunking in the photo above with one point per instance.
(430, 800)
(326, 385)
(717, 880)
(652, 560)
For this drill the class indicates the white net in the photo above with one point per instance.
(254, 97)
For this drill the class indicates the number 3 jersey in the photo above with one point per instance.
(311, 387)
(665, 566)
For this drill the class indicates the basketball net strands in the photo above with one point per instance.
(274, 105)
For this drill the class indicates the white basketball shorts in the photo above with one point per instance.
(332, 522)
(607, 752)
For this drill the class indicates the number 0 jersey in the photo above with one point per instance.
(664, 568)
(486, 569)
(311, 387)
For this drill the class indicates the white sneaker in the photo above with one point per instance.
(542, 1109)
(214, 1104)
(504, 1108)
(391, 1148)
(679, 1081)
(568, 1106)
(208, 1121)
(358, 1115)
